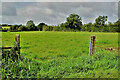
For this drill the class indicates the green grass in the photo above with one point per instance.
(5, 27)
(66, 54)
(50, 44)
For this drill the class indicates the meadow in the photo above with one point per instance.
(64, 54)
(5, 27)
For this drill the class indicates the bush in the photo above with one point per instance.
(45, 28)
(4, 30)
(22, 28)
(14, 28)
(15, 66)
(50, 28)
(55, 28)
(22, 68)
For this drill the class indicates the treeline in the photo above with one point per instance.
(73, 23)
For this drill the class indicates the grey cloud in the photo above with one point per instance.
(57, 12)
(60, 0)
(0, 9)
(84, 9)
(119, 10)
(9, 8)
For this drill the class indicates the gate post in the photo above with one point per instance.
(92, 45)
(17, 39)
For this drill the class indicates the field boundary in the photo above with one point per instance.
(17, 39)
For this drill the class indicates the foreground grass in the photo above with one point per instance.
(99, 65)
(63, 55)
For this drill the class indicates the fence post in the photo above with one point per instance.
(17, 39)
(92, 45)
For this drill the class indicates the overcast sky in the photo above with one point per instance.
(53, 13)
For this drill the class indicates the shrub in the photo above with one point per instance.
(45, 28)
(22, 28)
(4, 30)
(55, 28)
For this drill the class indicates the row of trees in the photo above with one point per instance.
(73, 23)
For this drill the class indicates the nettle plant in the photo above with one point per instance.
(13, 53)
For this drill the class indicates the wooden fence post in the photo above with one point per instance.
(92, 45)
(17, 39)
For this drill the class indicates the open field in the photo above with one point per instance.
(66, 54)
(49, 44)
(5, 27)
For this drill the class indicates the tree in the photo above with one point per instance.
(62, 25)
(45, 28)
(89, 27)
(40, 26)
(117, 25)
(9, 25)
(30, 25)
(22, 28)
(109, 27)
(14, 28)
(73, 21)
(0, 28)
(50, 28)
(100, 21)
(56, 28)
(4, 24)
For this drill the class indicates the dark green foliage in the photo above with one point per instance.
(4, 24)
(50, 28)
(40, 26)
(45, 28)
(16, 66)
(23, 68)
(22, 28)
(88, 27)
(14, 28)
(4, 30)
(31, 26)
(73, 21)
(100, 21)
(0, 28)
(13, 53)
(56, 28)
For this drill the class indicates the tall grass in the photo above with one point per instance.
(99, 65)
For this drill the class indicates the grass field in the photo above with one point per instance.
(66, 54)
(5, 27)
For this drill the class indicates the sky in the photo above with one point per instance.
(54, 13)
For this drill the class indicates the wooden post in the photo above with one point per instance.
(92, 45)
(17, 39)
